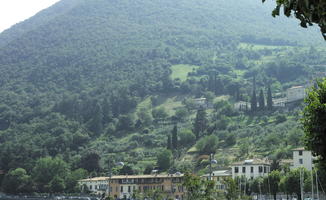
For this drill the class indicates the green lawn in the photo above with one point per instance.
(171, 103)
(181, 71)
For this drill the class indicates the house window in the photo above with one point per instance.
(265, 169)
(243, 169)
(300, 153)
(252, 169)
(236, 170)
(129, 189)
(90, 187)
(121, 189)
(260, 169)
(301, 161)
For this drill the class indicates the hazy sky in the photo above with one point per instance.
(14, 11)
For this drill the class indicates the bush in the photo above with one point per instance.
(280, 118)
(181, 114)
(164, 159)
(207, 144)
(187, 138)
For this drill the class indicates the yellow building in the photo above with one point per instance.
(219, 178)
(126, 185)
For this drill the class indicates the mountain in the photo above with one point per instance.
(74, 76)
(88, 37)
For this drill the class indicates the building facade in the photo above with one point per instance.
(219, 177)
(96, 185)
(200, 102)
(250, 169)
(242, 106)
(123, 187)
(295, 93)
(302, 158)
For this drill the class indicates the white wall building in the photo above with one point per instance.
(97, 185)
(251, 169)
(200, 102)
(242, 106)
(295, 93)
(302, 158)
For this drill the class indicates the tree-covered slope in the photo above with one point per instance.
(81, 40)
(72, 77)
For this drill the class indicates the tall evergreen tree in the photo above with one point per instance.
(107, 112)
(169, 143)
(96, 123)
(261, 100)
(269, 99)
(200, 123)
(254, 97)
(254, 102)
(175, 137)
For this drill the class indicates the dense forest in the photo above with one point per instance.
(85, 84)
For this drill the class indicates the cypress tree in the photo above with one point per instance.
(96, 123)
(175, 137)
(261, 100)
(107, 112)
(200, 123)
(253, 97)
(269, 99)
(169, 143)
(254, 102)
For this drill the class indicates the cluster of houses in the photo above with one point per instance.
(293, 94)
(125, 186)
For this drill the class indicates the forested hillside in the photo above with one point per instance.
(109, 80)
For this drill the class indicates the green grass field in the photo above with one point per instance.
(181, 71)
(171, 104)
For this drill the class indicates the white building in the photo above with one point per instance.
(295, 93)
(250, 168)
(280, 102)
(242, 106)
(200, 102)
(97, 185)
(302, 158)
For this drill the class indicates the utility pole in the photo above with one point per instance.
(259, 190)
(211, 161)
(240, 187)
(317, 185)
(312, 185)
(110, 176)
(269, 187)
(245, 186)
(301, 183)
(210, 166)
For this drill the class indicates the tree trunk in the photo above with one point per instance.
(299, 196)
